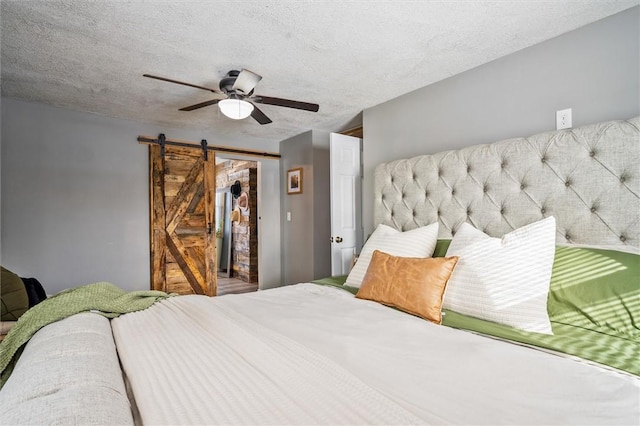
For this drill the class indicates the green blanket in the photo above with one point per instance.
(104, 298)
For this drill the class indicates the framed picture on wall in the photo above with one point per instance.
(294, 181)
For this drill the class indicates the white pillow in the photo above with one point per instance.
(503, 280)
(419, 242)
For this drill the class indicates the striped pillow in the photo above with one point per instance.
(419, 242)
(504, 280)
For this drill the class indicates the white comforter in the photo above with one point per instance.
(307, 354)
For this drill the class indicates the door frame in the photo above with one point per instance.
(269, 235)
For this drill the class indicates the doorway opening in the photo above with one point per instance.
(236, 225)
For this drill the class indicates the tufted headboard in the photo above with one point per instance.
(587, 177)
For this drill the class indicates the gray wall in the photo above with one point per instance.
(297, 233)
(305, 239)
(75, 196)
(0, 186)
(595, 70)
(269, 247)
(321, 204)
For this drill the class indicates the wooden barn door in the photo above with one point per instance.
(182, 220)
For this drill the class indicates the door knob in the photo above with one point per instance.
(338, 239)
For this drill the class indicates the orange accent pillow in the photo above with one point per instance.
(411, 284)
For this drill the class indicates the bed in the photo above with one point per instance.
(357, 350)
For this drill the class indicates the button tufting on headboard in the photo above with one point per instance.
(585, 177)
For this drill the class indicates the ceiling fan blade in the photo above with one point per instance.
(260, 116)
(200, 105)
(267, 100)
(246, 81)
(180, 82)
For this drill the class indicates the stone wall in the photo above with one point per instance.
(245, 231)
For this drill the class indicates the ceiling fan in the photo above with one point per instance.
(238, 100)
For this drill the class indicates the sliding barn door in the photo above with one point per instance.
(182, 220)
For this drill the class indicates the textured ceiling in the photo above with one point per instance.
(344, 55)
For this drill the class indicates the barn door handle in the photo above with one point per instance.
(338, 239)
(209, 228)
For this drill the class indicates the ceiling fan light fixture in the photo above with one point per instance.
(235, 108)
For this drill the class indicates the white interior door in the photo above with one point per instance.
(345, 201)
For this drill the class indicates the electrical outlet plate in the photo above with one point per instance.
(563, 119)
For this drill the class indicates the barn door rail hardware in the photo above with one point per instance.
(203, 142)
(163, 141)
